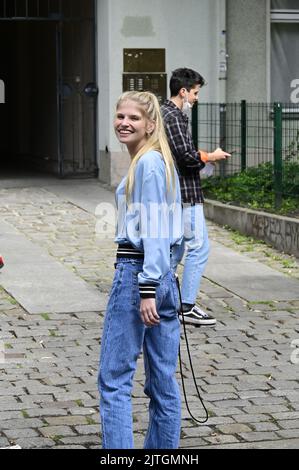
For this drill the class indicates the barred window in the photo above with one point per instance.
(45, 9)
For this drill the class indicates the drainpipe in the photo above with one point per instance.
(222, 48)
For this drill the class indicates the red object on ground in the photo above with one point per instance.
(1, 262)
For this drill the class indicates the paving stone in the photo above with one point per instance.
(198, 431)
(45, 412)
(60, 404)
(254, 409)
(230, 412)
(221, 439)
(4, 443)
(11, 406)
(251, 418)
(233, 428)
(18, 424)
(7, 415)
(285, 416)
(28, 401)
(267, 401)
(229, 372)
(52, 431)
(265, 427)
(87, 430)
(289, 424)
(215, 420)
(252, 394)
(14, 434)
(258, 436)
(252, 386)
(186, 443)
(83, 440)
(35, 443)
(84, 412)
(278, 444)
(221, 388)
(232, 403)
(289, 433)
(66, 420)
(227, 397)
(69, 447)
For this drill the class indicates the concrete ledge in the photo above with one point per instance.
(278, 231)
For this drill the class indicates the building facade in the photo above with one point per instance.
(65, 62)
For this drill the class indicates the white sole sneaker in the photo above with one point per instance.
(192, 318)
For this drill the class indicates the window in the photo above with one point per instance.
(285, 51)
(45, 9)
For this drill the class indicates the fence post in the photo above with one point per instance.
(195, 111)
(278, 154)
(222, 165)
(243, 135)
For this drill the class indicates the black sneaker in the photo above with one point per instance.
(196, 316)
(1, 262)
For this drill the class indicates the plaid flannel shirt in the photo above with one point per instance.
(187, 158)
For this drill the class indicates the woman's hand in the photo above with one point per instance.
(148, 311)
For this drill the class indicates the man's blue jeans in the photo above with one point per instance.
(197, 247)
(123, 338)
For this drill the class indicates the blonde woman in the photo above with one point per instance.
(142, 309)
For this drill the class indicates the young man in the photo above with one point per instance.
(185, 85)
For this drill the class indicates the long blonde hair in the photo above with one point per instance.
(157, 140)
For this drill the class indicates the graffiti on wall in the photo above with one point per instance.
(279, 232)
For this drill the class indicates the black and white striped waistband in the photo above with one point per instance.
(129, 251)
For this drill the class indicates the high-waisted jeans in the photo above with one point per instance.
(123, 339)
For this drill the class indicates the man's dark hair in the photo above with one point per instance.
(185, 78)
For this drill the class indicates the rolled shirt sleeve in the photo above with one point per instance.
(154, 233)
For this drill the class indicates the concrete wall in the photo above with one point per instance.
(280, 232)
(248, 46)
(190, 31)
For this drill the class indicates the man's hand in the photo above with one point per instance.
(218, 155)
(149, 314)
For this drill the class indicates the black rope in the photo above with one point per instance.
(191, 366)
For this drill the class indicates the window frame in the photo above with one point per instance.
(284, 16)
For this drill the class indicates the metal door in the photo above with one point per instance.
(77, 96)
(75, 71)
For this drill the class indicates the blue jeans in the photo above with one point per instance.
(123, 338)
(197, 247)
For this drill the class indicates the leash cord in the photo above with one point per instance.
(191, 366)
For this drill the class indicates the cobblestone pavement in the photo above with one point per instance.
(246, 366)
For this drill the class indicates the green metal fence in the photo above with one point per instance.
(258, 135)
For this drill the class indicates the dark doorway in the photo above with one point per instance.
(47, 62)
